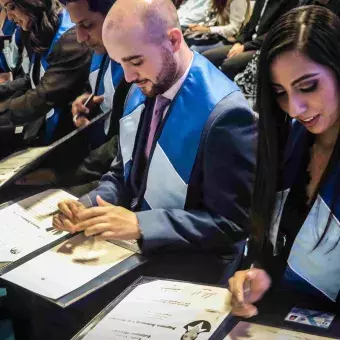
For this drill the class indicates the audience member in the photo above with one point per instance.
(295, 210)
(233, 59)
(223, 21)
(59, 68)
(183, 175)
(192, 12)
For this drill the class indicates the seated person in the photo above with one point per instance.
(87, 164)
(296, 196)
(105, 74)
(232, 59)
(59, 69)
(223, 21)
(183, 174)
(192, 12)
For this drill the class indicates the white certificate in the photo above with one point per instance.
(249, 331)
(27, 225)
(165, 310)
(67, 266)
(11, 165)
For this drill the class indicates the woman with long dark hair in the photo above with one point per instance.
(223, 21)
(59, 68)
(296, 203)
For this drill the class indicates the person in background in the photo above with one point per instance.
(333, 5)
(105, 75)
(182, 177)
(296, 203)
(233, 58)
(60, 65)
(223, 21)
(192, 12)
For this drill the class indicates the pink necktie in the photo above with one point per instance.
(157, 116)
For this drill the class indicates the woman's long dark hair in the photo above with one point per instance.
(45, 21)
(220, 5)
(315, 32)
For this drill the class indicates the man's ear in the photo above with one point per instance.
(176, 39)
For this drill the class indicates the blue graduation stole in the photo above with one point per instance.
(318, 267)
(105, 76)
(174, 153)
(8, 29)
(52, 117)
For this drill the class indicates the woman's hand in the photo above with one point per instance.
(248, 287)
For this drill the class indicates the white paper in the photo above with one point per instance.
(11, 165)
(249, 331)
(165, 310)
(27, 225)
(67, 266)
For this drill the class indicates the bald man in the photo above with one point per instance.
(183, 176)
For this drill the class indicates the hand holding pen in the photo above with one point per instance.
(248, 287)
(82, 106)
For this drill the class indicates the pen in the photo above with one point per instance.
(88, 100)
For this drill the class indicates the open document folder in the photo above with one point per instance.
(162, 309)
(15, 165)
(53, 263)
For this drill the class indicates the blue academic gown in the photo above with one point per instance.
(196, 192)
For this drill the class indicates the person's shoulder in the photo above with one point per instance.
(234, 107)
(68, 45)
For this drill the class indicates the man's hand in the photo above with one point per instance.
(248, 287)
(79, 109)
(235, 50)
(67, 218)
(108, 222)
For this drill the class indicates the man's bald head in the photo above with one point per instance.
(153, 18)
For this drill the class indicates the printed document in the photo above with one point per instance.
(67, 266)
(27, 225)
(167, 310)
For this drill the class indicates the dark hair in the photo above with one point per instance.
(315, 32)
(101, 6)
(45, 21)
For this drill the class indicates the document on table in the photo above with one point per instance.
(249, 331)
(167, 310)
(27, 225)
(67, 266)
(11, 165)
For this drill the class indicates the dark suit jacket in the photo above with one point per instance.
(216, 213)
(63, 81)
(274, 9)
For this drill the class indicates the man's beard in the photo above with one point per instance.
(166, 77)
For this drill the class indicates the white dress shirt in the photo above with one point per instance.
(192, 11)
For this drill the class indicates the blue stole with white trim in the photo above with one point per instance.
(173, 154)
(8, 29)
(110, 74)
(319, 267)
(52, 117)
